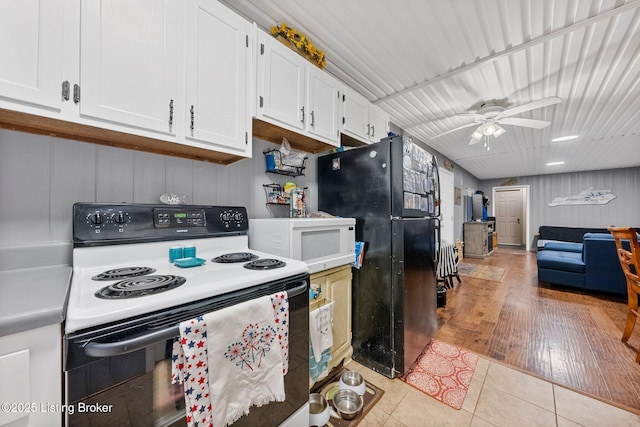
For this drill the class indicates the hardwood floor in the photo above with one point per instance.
(567, 337)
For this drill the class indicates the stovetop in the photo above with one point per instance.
(91, 260)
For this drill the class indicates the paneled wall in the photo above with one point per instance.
(624, 210)
(41, 177)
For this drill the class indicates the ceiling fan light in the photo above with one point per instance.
(499, 131)
(489, 130)
(477, 134)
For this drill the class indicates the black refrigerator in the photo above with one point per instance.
(392, 189)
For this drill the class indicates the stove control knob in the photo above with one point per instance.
(238, 216)
(97, 218)
(118, 218)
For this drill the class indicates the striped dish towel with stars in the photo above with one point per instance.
(262, 328)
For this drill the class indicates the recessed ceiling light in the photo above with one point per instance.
(555, 163)
(564, 138)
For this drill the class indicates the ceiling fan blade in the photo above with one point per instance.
(458, 128)
(474, 141)
(545, 102)
(528, 123)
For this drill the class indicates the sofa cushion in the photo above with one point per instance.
(564, 246)
(560, 260)
(566, 234)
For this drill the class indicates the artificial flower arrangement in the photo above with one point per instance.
(300, 42)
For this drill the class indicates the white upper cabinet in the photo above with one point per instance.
(31, 48)
(281, 83)
(322, 104)
(355, 116)
(361, 119)
(378, 123)
(294, 94)
(104, 70)
(218, 72)
(129, 61)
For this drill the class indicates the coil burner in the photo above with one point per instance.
(265, 264)
(235, 257)
(140, 286)
(123, 273)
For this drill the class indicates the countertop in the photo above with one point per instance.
(32, 297)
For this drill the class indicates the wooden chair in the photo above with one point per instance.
(630, 262)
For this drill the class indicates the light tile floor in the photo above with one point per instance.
(498, 396)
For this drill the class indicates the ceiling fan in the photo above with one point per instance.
(490, 116)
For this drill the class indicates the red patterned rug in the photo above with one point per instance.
(444, 372)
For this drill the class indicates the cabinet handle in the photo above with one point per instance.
(192, 118)
(76, 93)
(373, 131)
(170, 113)
(66, 89)
(368, 129)
(312, 119)
(302, 109)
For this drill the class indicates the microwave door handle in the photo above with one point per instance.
(97, 349)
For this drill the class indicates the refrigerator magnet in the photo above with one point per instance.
(335, 164)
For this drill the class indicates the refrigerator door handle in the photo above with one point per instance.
(436, 230)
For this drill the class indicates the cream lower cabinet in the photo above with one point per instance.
(335, 284)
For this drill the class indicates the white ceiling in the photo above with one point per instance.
(424, 61)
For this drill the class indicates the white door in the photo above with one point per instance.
(31, 48)
(217, 71)
(447, 194)
(355, 115)
(510, 216)
(322, 101)
(281, 83)
(128, 62)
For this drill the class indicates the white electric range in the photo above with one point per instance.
(126, 299)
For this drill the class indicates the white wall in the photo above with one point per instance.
(41, 177)
(623, 211)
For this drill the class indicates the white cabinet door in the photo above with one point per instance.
(378, 123)
(281, 84)
(322, 104)
(217, 76)
(355, 114)
(128, 62)
(361, 119)
(31, 48)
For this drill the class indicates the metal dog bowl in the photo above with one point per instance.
(348, 404)
(352, 380)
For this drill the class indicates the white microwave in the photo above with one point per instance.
(322, 243)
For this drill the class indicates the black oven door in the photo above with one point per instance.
(120, 374)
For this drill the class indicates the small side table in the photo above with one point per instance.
(447, 265)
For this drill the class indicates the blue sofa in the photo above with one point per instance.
(590, 265)
(550, 233)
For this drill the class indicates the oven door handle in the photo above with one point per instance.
(110, 349)
(294, 292)
(97, 349)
